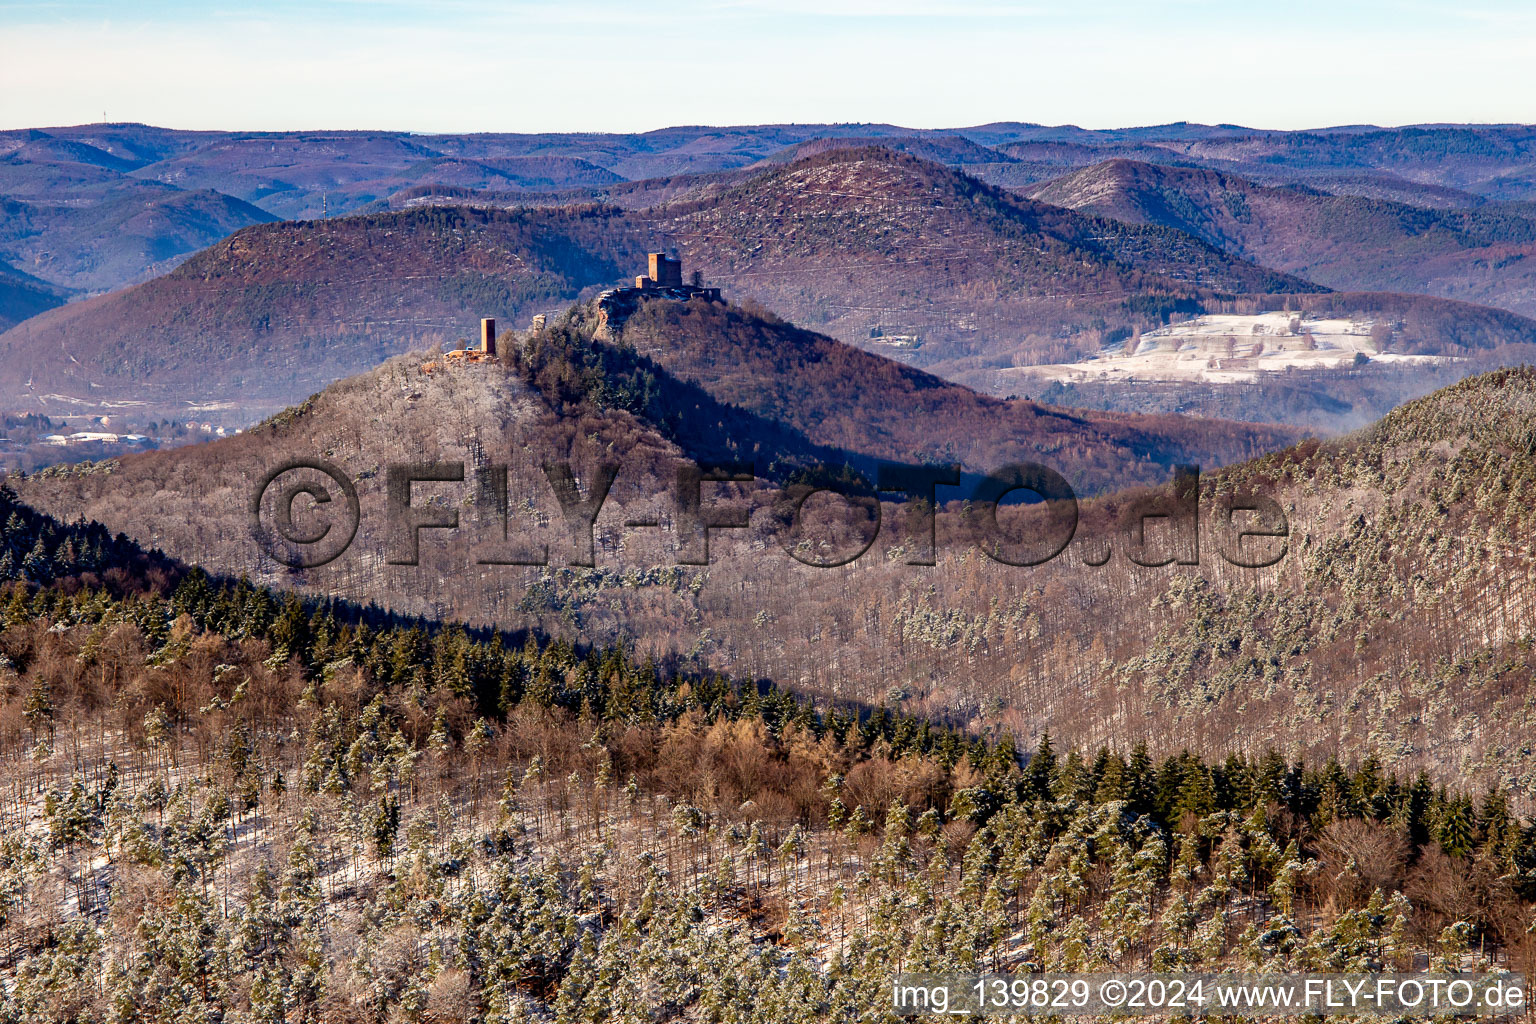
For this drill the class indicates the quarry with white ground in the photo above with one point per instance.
(1232, 348)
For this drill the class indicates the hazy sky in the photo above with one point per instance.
(467, 65)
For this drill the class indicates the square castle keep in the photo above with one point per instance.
(664, 281)
(665, 273)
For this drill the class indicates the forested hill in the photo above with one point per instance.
(273, 312)
(1352, 243)
(233, 804)
(855, 238)
(855, 405)
(1394, 620)
(23, 296)
(882, 250)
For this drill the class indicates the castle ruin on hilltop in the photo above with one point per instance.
(614, 306)
(664, 281)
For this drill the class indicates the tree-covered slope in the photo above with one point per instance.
(235, 805)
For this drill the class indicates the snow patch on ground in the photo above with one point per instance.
(1230, 349)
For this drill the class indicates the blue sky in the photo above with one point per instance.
(467, 65)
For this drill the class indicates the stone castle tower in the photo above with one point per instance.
(665, 272)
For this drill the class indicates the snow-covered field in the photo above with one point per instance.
(1230, 348)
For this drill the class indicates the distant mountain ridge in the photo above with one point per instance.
(868, 233)
(1486, 254)
(274, 312)
(293, 175)
(921, 241)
